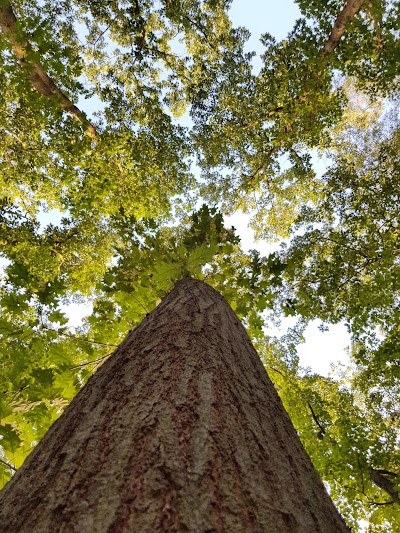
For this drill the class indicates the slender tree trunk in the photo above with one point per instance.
(349, 11)
(351, 8)
(181, 430)
(39, 79)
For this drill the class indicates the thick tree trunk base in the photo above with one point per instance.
(181, 430)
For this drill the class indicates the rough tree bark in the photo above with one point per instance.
(181, 430)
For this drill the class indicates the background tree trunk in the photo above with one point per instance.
(181, 430)
(38, 77)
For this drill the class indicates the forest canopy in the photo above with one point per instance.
(185, 132)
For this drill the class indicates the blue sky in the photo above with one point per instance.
(264, 16)
(261, 16)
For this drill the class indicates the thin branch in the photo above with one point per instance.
(75, 337)
(248, 179)
(73, 233)
(297, 157)
(140, 303)
(315, 418)
(15, 136)
(8, 465)
(101, 35)
(91, 362)
(20, 390)
(201, 29)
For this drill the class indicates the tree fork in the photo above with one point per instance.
(181, 430)
(39, 79)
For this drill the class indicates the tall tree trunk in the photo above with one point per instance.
(181, 430)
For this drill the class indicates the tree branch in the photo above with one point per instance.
(15, 136)
(388, 486)
(322, 431)
(249, 178)
(91, 362)
(38, 77)
(351, 8)
(201, 29)
(80, 339)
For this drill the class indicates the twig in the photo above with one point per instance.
(250, 178)
(91, 362)
(140, 303)
(315, 418)
(201, 29)
(79, 338)
(8, 465)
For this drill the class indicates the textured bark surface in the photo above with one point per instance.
(38, 77)
(181, 430)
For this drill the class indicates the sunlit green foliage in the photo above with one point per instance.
(352, 441)
(344, 261)
(254, 132)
